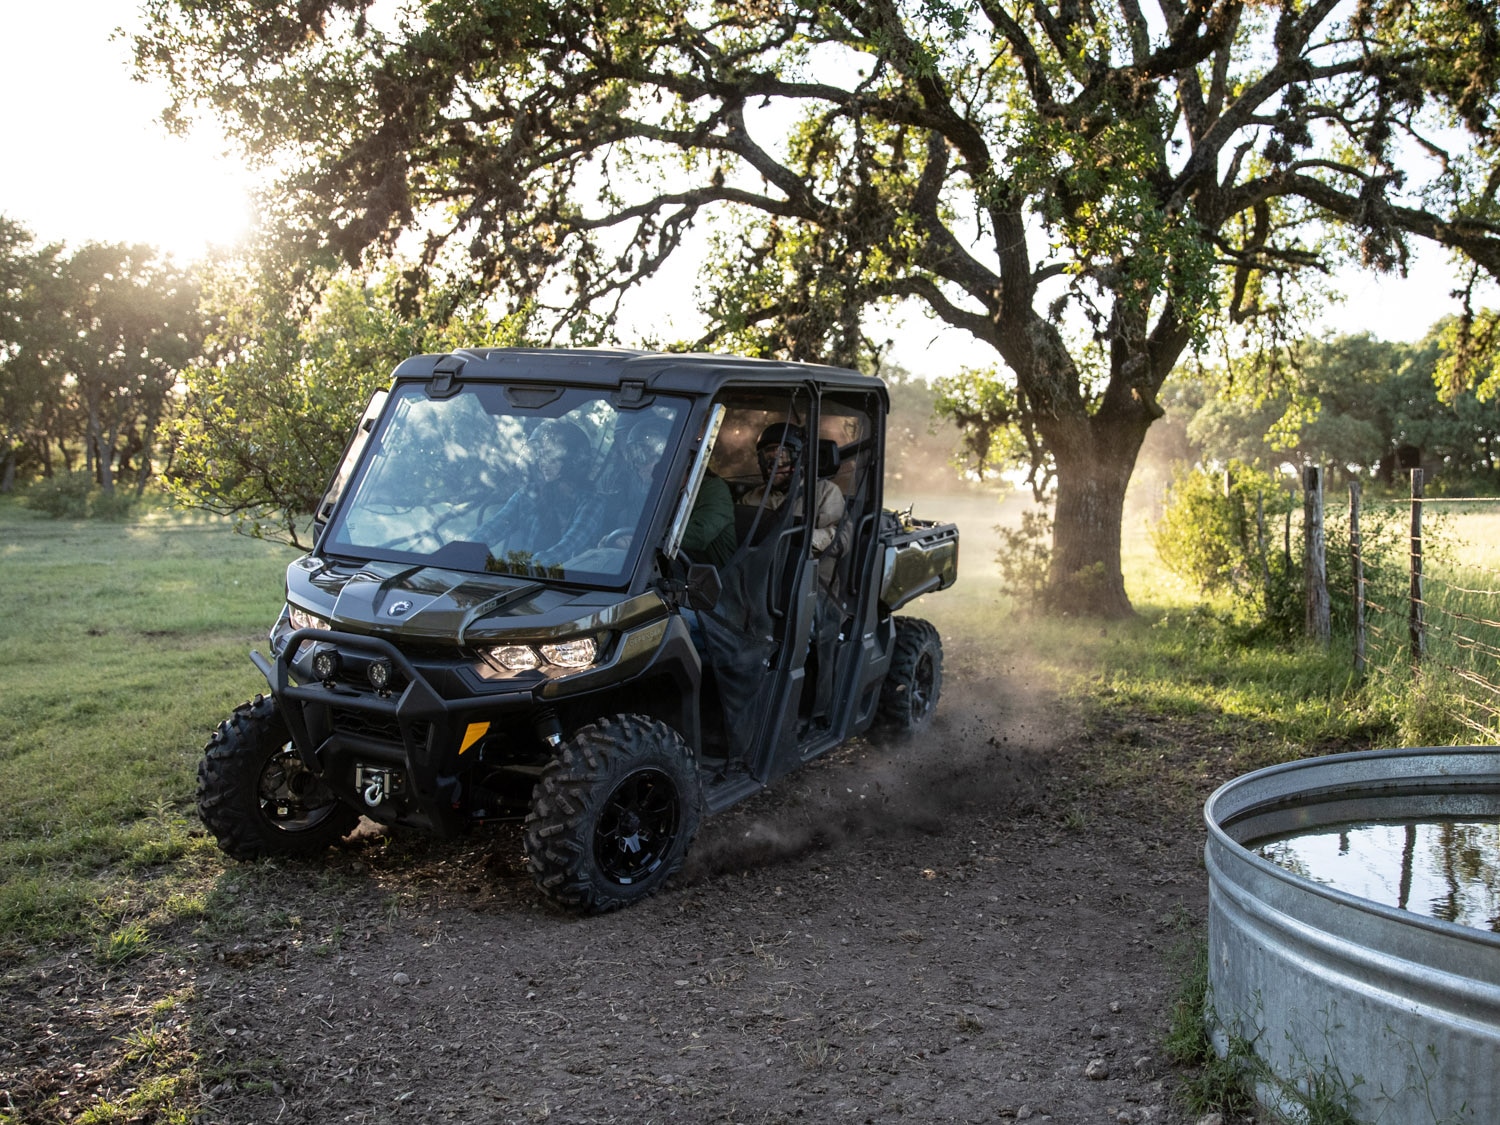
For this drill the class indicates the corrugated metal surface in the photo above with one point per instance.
(1403, 1009)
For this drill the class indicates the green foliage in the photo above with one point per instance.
(1217, 531)
(996, 432)
(264, 424)
(1470, 360)
(1024, 558)
(1355, 403)
(91, 345)
(1239, 534)
(75, 496)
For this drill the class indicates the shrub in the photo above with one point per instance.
(63, 497)
(73, 496)
(1245, 541)
(1024, 556)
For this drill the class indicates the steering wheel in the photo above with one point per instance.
(619, 538)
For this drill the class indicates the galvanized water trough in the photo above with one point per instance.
(1399, 1009)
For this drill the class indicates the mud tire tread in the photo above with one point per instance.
(572, 791)
(229, 784)
(916, 640)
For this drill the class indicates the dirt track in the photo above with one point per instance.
(933, 931)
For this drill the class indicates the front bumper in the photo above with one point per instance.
(342, 730)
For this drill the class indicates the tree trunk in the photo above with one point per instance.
(1085, 578)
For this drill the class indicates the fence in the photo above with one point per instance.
(1439, 622)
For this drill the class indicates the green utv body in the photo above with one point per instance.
(501, 617)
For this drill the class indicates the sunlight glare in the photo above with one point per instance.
(85, 157)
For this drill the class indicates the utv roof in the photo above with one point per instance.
(664, 372)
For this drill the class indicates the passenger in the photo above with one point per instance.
(556, 513)
(709, 536)
(710, 533)
(778, 450)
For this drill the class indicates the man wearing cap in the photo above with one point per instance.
(778, 449)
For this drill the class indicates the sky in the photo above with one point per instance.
(83, 156)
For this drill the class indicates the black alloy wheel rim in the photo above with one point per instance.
(637, 827)
(921, 687)
(291, 796)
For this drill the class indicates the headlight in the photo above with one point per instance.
(550, 659)
(293, 618)
(301, 619)
(578, 653)
(515, 658)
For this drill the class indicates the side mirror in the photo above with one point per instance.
(703, 586)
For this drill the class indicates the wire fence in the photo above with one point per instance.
(1428, 615)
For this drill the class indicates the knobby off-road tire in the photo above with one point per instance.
(613, 814)
(914, 681)
(258, 797)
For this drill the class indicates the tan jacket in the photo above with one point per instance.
(825, 521)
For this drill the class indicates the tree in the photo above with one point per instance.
(1357, 404)
(30, 331)
(259, 434)
(133, 327)
(1010, 169)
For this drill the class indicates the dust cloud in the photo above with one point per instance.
(983, 752)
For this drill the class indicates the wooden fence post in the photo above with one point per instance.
(1416, 625)
(1357, 565)
(1260, 544)
(1315, 565)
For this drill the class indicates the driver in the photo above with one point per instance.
(556, 514)
(709, 535)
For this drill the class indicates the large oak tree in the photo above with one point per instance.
(1138, 171)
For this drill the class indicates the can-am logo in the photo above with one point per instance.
(399, 608)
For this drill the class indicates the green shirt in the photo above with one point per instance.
(710, 529)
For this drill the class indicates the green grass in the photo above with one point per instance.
(121, 646)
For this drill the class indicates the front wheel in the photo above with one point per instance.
(909, 696)
(613, 814)
(257, 796)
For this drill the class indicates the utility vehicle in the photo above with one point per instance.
(499, 616)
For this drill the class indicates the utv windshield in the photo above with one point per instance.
(539, 481)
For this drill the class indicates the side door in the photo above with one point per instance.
(755, 642)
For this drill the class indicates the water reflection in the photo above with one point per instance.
(1442, 868)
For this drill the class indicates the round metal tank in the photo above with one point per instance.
(1399, 1009)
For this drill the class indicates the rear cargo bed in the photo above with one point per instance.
(920, 556)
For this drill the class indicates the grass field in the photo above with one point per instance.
(121, 645)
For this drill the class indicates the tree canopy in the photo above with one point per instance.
(91, 346)
(259, 431)
(1365, 407)
(1086, 188)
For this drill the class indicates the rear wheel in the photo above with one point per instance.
(613, 815)
(909, 696)
(257, 796)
